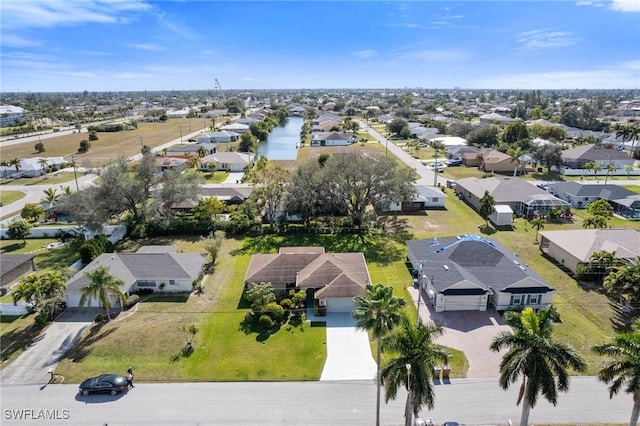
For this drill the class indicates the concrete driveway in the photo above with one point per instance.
(470, 332)
(348, 350)
(46, 351)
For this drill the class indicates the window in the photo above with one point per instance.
(516, 299)
(534, 299)
(146, 283)
(173, 282)
(434, 200)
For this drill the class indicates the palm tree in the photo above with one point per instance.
(601, 261)
(629, 168)
(413, 366)
(623, 367)
(535, 355)
(50, 198)
(4, 164)
(537, 223)
(53, 284)
(437, 147)
(516, 157)
(101, 286)
(193, 161)
(16, 163)
(43, 163)
(202, 151)
(610, 168)
(623, 280)
(378, 311)
(594, 167)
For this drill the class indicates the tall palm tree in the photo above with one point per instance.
(437, 148)
(593, 167)
(16, 163)
(53, 284)
(414, 346)
(5, 164)
(101, 286)
(516, 157)
(378, 311)
(629, 168)
(43, 163)
(610, 168)
(534, 354)
(537, 223)
(623, 367)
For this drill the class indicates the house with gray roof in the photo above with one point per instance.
(425, 197)
(522, 197)
(13, 266)
(573, 247)
(189, 150)
(473, 273)
(222, 136)
(332, 139)
(333, 279)
(576, 158)
(625, 202)
(230, 161)
(158, 268)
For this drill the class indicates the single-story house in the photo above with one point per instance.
(230, 161)
(522, 197)
(236, 128)
(32, 167)
(218, 137)
(576, 158)
(426, 197)
(14, 266)
(160, 268)
(297, 111)
(573, 247)
(624, 201)
(495, 118)
(331, 139)
(191, 149)
(469, 272)
(455, 152)
(228, 195)
(166, 163)
(334, 279)
(498, 162)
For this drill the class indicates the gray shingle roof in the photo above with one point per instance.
(608, 192)
(480, 261)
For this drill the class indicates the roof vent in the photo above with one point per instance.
(445, 267)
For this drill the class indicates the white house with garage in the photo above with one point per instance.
(158, 268)
(473, 273)
(333, 279)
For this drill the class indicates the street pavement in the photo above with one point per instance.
(470, 402)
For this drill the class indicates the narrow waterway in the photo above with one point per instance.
(283, 142)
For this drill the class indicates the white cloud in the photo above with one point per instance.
(366, 53)
(589, 3)
(49, 13)
(545, 39)
(130, 75)
(82, 74)
(13, 40)
(147, 46)
(431, 55)
(626, 5)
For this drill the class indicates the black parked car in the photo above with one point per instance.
(105, 383)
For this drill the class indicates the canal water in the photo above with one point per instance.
(283, 141)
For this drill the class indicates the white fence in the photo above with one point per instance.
(114, 232)
(13, 310)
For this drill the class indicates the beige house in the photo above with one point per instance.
(573, 247)
(499, 162)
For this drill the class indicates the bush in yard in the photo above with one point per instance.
(275, 311)
(41, 319)
(84, 146)
(132, 300)
(265, 322)
(98, 318)
(94, 248)
(286, 304)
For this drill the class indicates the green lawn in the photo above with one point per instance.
(8, 197)
(634, 188)
(213, 177)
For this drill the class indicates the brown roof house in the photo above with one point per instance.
(499, 162)
(334, 279)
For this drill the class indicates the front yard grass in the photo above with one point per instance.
(16, 334)
(213, 177)
(8, 197)
(49, 179)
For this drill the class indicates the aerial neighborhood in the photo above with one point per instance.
(236, 236)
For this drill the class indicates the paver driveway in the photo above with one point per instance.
(470, 332)
(32, 366)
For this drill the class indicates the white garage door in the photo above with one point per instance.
(463, 303)
(340, 304)
(73, 300)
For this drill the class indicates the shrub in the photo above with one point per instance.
(41, 319)
(39, 147)
(275, 311)
(131, 301)
(286, 303)
(84, 146)
(94, 248)
(98, 318)
(265, 322)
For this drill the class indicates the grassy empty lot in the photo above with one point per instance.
(110, 145)
(50, 179)
(8, 197)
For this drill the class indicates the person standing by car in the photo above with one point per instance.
(130, 378)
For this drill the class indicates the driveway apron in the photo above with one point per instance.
(48, 349)
(348, 350)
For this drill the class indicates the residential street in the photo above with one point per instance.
(470, 402)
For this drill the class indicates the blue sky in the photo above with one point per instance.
(118, 45)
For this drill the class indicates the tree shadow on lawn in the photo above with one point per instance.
(83, 348)
(13, 247)
(16, 340)
(487, 230)
(262, 335)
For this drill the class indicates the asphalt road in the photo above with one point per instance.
(470, 402)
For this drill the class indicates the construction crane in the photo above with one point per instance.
(219, 87)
